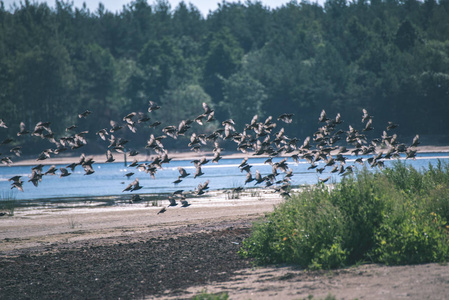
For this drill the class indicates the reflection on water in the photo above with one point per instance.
(110, 180)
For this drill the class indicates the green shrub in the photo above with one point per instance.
(411, 236)
(437, 201)
(204, 295)
(294, 233)
(363, 199)
(396, 216)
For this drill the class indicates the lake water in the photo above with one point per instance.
(109, 179)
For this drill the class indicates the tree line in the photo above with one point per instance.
(390, 57)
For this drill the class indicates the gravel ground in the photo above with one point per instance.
(147, 265)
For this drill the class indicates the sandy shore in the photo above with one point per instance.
(67, 159)
(373, 282)
(30, 227)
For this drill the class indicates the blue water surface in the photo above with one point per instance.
(109, 179)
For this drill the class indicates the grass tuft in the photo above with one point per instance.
(8, 202)
(204, 295)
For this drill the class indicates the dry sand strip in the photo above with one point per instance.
(45, 226)
(427, 281)
(69, 158)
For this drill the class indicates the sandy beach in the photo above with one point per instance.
(69, 158)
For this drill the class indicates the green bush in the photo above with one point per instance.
(204, 295)
(396, 216)
(410, 237)
(294, 233)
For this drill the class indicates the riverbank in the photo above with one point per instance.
(67, 159)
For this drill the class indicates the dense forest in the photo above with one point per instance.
(390, 57)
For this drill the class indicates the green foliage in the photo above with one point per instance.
(294, 233)
(204, 295)
(301, 57)
(411, 235)
(398, 216)
(363, 200)
(243, 97)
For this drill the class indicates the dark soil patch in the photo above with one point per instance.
(152, 267)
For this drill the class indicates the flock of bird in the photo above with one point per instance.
(258, 137)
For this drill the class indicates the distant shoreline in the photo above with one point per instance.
(119, 157)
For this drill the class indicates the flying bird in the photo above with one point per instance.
(207, 109)
(115, 126)
(183, 172)
(84, 114)
(17, 184)
(64, 172)
(185, 203)
(286, 118)
(23, 130)
(198, 172)
(153, 106)
(102, 133)
(323, 117)
(133, 186)
(109, 157)
(128, 175)
(172, 201)
(368, 125)
(366, 116)
(51, 171)
(416, 141)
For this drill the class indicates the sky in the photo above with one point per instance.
(116, 5)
